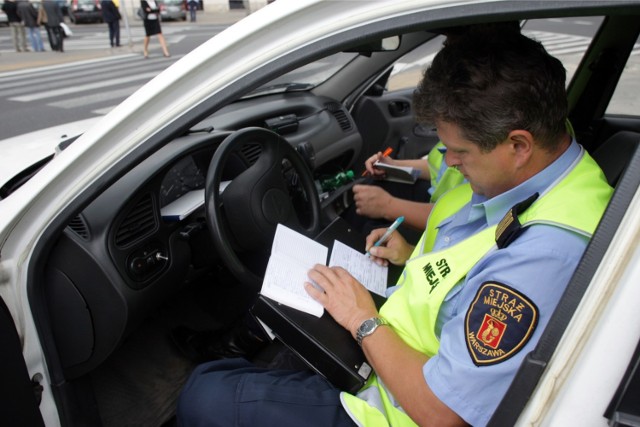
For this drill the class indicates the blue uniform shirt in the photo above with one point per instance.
(538, 265)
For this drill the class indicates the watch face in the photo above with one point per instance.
(367, 325)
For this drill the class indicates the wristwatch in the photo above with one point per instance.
(368, 327)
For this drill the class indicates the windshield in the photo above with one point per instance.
(306, 77)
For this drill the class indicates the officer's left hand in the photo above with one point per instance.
(346, 299)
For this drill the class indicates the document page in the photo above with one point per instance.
(367, 272)
(404, 174)
(292, 256)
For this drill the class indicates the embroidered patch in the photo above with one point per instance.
(499, 323)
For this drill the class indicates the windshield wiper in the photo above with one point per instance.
(280, 88)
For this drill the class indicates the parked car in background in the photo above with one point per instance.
(84, 11)
(172, 10)
(107, 245)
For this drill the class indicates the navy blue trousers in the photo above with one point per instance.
(234, 392)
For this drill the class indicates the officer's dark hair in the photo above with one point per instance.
(489, 85)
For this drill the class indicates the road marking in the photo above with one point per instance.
(94, 98)
(82, 88)
(74, 65)
(71, 78)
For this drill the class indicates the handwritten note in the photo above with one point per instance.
(293, 255)
(367, 272)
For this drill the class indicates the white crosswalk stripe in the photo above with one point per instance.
(89, 85)
(564, 44)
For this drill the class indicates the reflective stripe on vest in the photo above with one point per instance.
(428, 277)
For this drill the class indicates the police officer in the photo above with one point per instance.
(481, 284)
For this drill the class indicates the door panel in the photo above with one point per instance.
(18, 404)
(388, 121)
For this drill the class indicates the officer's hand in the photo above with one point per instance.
(375, 172)
(371, 201)
(346, 299)
(395, 250)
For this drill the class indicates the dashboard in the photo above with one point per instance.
(145, 238)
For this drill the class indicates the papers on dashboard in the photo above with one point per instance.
(186, 204)
(182, 207)
(404, 174)
(293, 255)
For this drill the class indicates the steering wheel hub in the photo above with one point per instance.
(276, 206)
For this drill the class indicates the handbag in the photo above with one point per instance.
(66, 29)
(140, 13)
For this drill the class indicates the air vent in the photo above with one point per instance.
(340, 115)
(79, 226)
(139, 222)
(251, 152)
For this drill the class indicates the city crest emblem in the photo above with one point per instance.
(499, 322)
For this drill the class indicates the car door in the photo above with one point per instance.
(18, 395)
(387, 120)
(385, 115)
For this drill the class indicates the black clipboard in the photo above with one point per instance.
(324, 345)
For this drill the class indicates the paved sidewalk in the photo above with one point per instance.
(14, 61)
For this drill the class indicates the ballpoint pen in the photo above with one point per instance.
(387, 233)
(385, 153)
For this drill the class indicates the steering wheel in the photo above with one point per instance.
(244, 216)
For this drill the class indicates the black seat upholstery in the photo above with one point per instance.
(614, 154)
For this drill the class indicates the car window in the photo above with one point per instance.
(567, 39)
(625, 99)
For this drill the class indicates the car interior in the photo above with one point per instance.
(182, 238)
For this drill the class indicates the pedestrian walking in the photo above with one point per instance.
(111, 15)
(18, 35)
(193, 7)
(152, 26)
(50, 15)
(29, 18)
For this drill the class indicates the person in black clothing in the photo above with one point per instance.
(152, 26)
(50, 15)
(111, 15)
(17, 27)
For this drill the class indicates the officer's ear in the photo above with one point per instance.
(522, 144)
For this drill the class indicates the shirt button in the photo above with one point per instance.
(447, 239)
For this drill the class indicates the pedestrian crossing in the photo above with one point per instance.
(100, 38)
(94, 86)
(560, 45)
(133, 36)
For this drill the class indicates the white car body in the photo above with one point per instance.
(595, 350)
